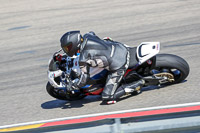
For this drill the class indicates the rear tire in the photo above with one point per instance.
(174, 64)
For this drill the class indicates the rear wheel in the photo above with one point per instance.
(61, 95)
(175, 65)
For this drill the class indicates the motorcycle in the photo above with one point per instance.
(145, 63)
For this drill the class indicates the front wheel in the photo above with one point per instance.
(61, 95)
(172, 64)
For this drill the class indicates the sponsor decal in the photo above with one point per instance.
(149, 62)
(52, 75)
(157, 47)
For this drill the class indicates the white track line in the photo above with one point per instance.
(100, 114)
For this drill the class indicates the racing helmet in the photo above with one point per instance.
(70, 42)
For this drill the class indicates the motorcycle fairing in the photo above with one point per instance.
(147, 50)
(51, 78)
(95, 72)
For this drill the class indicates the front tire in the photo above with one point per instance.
(172, 64)
(59, 95)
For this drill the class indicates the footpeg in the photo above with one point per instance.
(129, 90)
(135, 86)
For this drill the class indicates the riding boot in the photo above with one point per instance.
(125, 88)
(128, 88)
(135, 86)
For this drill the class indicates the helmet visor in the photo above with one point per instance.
(67, 48)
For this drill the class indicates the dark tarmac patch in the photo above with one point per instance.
(27, 52)
(44, 66)
(181, 45)
(18, 28)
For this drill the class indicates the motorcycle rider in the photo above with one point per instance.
(95, 52)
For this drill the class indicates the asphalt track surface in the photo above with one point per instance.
(30, 31)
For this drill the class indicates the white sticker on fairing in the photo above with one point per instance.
(52, 75)
(76, 67)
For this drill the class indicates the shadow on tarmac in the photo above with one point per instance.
(69, 104)
(80, 103)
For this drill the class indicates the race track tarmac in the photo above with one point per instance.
(30, 31)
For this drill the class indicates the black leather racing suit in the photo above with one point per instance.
(111, 55)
